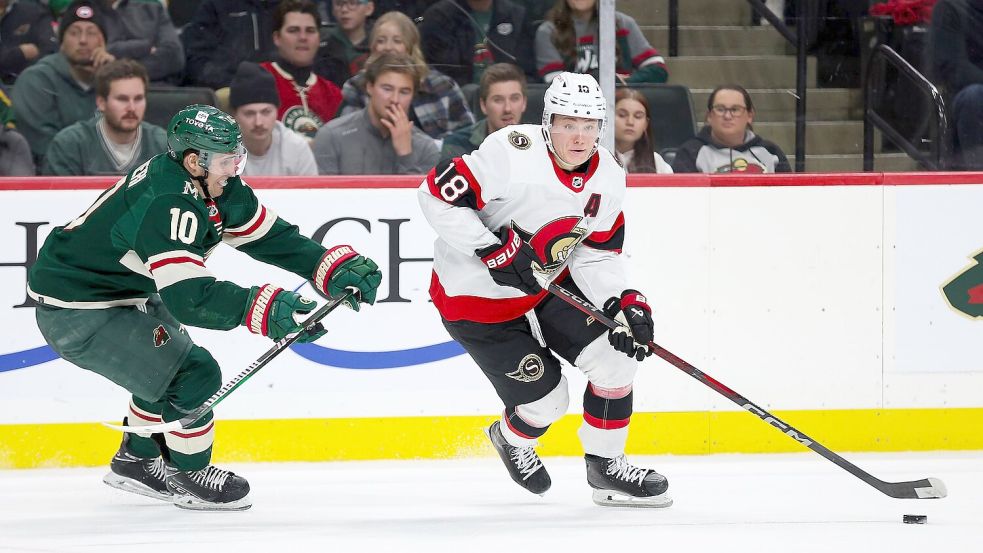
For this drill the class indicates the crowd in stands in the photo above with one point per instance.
(369, 86)
(317, 86)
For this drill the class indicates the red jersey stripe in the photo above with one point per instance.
(172, 260)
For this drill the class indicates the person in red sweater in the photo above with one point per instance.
(307, 100)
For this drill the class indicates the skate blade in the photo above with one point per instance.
(608, 498)
(194, 504)
(114, 480)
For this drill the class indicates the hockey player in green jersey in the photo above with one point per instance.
(116, 285)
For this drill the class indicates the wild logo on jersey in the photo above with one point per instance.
(554, 241)
(300, 119)
(161, 336)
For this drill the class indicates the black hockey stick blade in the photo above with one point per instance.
(928, 488)
(310, 324)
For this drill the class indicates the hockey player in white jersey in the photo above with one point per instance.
(539, 200)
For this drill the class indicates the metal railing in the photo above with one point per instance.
(938, 134)
(796, 38)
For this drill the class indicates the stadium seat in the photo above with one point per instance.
(164, 102)
(471, 99)
(671, 109)
(534, 103)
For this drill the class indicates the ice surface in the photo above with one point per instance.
(723, 504)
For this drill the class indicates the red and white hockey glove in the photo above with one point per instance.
(342, 267)
(510, 262)
(637, 327)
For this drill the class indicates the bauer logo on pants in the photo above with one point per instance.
(161, 336)
(530, 369)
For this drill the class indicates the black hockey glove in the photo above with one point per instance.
(510, 262)
(635, 316)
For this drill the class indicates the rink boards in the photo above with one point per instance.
(815, 296)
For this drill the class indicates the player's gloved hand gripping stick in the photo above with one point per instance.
(311, 326)
(929, 488)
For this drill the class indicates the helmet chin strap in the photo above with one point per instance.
(202, 181)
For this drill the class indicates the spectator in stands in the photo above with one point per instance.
(115, 141)
(273, 148)
(143, 31)
(57, 90)
(26, 36)
(224, 33)
(349, 39)
(568, 41)
(438, 107)
(379, 138)
(307, 100)
(502, 96)
(633, 145)
(726, 144)
(463, 37)
(15, 153)
(956, 56)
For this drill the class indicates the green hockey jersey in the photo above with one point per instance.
(150, 233)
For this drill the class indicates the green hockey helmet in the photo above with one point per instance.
(210, 132)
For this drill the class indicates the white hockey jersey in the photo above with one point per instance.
(573, 221)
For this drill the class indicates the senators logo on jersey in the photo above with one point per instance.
(554, 241)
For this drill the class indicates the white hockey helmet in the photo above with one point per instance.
(574, 95)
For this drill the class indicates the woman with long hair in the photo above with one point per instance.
(633, 144)
(439, 107)
(568, 41)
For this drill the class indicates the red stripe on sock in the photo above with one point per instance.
(201, 432)
(513, 429)
(605, 424)
(141, 416)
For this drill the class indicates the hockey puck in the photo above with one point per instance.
(915, 519)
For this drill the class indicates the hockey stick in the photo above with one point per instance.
(185, 422)
(929, 488)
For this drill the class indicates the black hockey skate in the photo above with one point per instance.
(616, 482)
(137, 474)
(523, 464)
(209, 489)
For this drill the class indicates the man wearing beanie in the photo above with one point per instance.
(57, 91)
(274, 149)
